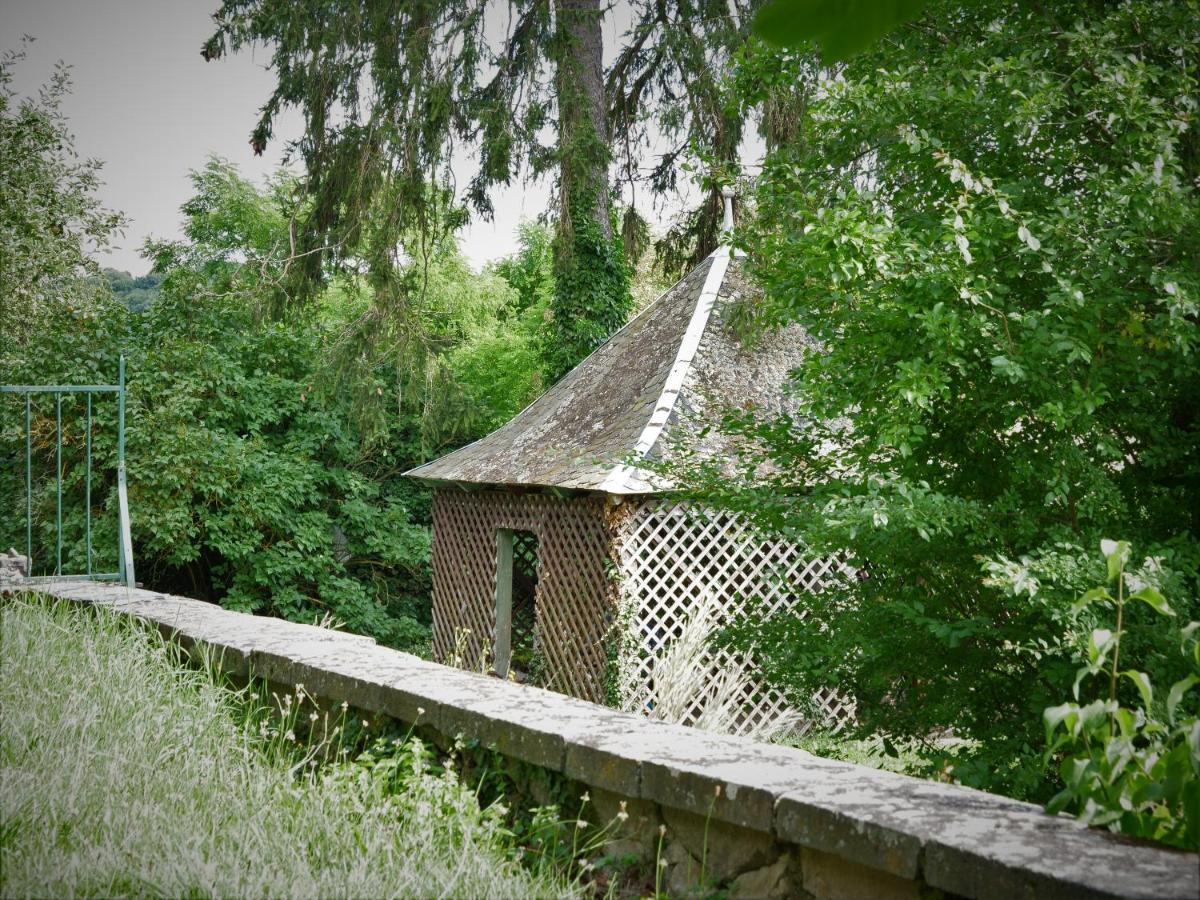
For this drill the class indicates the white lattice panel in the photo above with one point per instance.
(673, 556)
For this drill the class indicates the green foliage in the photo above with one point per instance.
(990, 227)
(668, 87)
(261, 495)
(50, 218)
(591, 294)
(258, 474)
(136, 293)
(519, 87)
(1136, 767)
(541, 808)
(840, 28)
(530, 271)
(371, 156)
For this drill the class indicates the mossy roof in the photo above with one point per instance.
(650, 386)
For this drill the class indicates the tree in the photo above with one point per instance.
(255, 479)
(387, 90)
(989, 223)
(136, 293)
(669, 83)
(50, 217)
(591, 292)
(390, 92)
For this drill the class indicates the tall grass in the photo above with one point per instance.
(690, 689)
(123, 772)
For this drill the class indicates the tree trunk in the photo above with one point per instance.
(583, 137)
(591, 280)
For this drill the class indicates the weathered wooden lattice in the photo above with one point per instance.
(657, 559)
(574, 595)
(671, 555)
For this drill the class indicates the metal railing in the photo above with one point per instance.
(125, 573)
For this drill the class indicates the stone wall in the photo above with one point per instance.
(14, 566)
(761, 820)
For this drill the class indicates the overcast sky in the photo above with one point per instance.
(151, 109)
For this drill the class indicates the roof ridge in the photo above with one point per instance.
(626, 478)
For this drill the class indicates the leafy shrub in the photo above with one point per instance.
(1136, 767)
(266, 445)
(50, 217)
(987, 225)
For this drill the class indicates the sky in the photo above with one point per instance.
(150, 108)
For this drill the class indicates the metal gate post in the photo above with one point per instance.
(126, 538)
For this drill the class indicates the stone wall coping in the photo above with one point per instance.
(961, 840)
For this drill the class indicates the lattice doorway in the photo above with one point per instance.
(527, 663)
(517, 650)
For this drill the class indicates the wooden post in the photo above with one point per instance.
(502, 650)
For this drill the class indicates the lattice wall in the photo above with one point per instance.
(575, 595)
(672, 555)
(660, 559)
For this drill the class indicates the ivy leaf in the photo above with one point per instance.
(964, 247)
(1073, 770)
(1175, 695)
(1127, 722)
(1030, 241)
(1116, 553)
(1090, 596)
(1186, 636)
(1079, 676)
(1056, 715)
(1059, 801)
(1098, 643)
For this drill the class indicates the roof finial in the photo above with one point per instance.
(727, 222)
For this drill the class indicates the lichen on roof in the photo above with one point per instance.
(581, 434)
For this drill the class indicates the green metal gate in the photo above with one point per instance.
(125, 573)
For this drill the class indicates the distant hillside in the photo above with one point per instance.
(137, 293)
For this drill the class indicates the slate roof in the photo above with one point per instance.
(651, 385)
